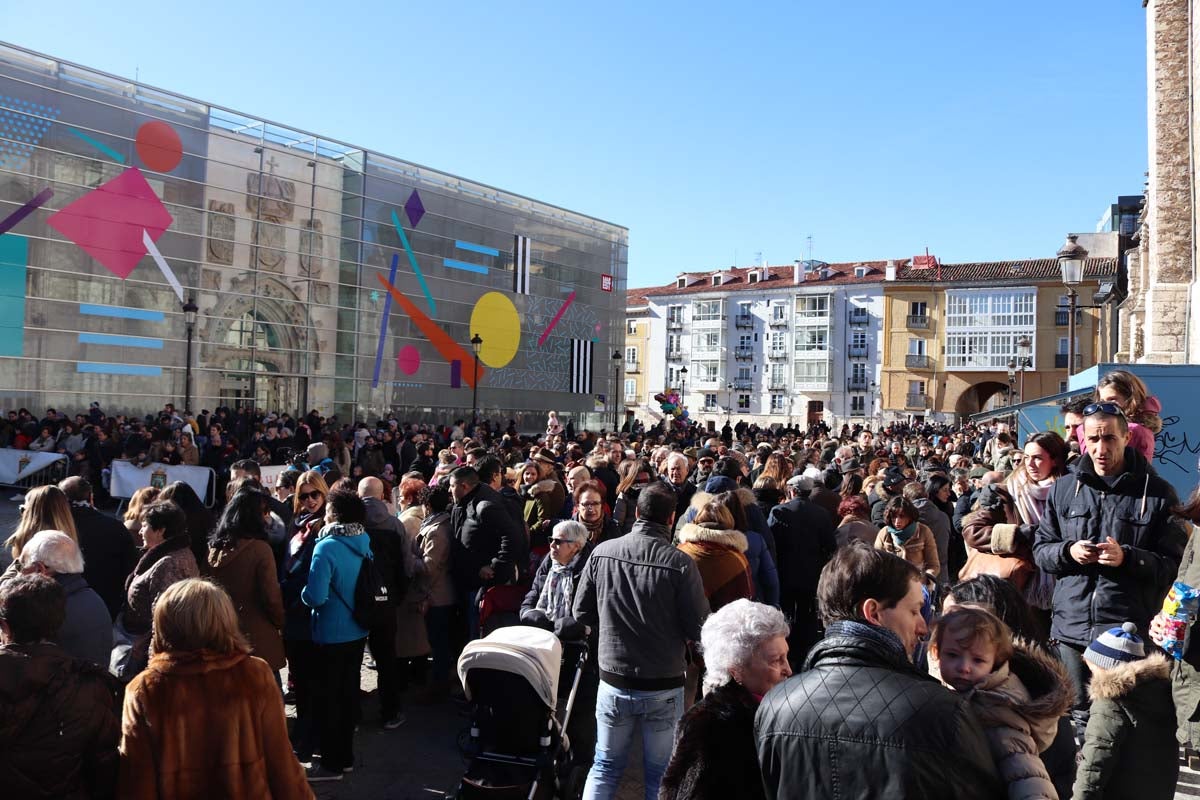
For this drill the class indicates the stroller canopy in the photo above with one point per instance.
(532, 653)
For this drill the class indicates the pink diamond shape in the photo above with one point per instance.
(107, 222)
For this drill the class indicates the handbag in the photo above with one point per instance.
(1012, 568)
(130, 653)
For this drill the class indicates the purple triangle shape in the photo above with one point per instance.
(414, 208)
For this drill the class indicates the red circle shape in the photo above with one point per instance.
(408, 359)
(159, 147)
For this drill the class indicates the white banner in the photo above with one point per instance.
(18, 464)
(127, 479)
(270, 475)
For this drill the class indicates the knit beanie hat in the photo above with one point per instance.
(1116, 646)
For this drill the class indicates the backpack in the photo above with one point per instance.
(372, 600)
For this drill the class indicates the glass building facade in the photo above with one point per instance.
(326, 276)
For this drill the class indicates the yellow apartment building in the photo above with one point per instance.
(955, 335)
(636, 354)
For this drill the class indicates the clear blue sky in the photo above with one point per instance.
(712, 131)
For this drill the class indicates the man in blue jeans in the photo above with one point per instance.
(647, 601)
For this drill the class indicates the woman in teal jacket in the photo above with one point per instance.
(336, 561)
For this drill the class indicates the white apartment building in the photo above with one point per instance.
(787, 345)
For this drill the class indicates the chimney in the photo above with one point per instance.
(890, 271)
(797, 273)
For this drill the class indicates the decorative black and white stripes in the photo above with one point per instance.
(581, 366)
(522, 247)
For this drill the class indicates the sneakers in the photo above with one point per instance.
(318, 774)
(395, 721)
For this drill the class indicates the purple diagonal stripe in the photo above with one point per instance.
(387, 309)
(10, 222)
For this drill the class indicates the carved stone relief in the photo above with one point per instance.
(221, 227)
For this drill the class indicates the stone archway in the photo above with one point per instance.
(974, 399)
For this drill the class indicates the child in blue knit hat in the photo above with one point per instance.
(1129, 749)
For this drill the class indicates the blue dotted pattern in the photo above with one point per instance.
(22, 126)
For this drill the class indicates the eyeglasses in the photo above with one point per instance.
(559, 542)
(1103, 408)
(589, 505)
(309, 496)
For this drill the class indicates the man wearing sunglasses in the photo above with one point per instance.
(1110, 539)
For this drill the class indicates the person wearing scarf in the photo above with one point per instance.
(593, 514)
(903, 535)
(1030, 486)
(548, 601)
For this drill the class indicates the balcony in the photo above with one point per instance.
(674, 324)
(820, 385)
(777, 354)
(912, 361)
(859, 316)
(744, 321)
(631, 399)
(674, 355)
(777, 384)
(918, 321)
(916, 401)
(710, 408)
(1063, 317)
(856, 384)
(632, 367)
(778, 322)
(1060, 361)
(743, 353)
(743, 384)
(859, 350)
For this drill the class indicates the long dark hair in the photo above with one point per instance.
(1054, 446)
(199, 518)
(241, 519)
(1005, 601)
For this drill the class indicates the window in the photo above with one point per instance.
(710, 401)
(982, 327)
(630, 388)
(779, 374)
(631, 355)
(920, 309)
(778, 342)
(858, 404)
(778, 311)
(743, 402)
(631, 328)
(1062, 387)
(706, 371)
(680, 283)
(746, 340)
(1062, 346)
(858, 338)
(744, 309)
(810, 340)
(706, 342)
(858, 371)
(716, 280)
(916, 387)
(706, 310)
(816, 305)
(675, 313)
(743, 374)
(753, 277)
(860, 272)
(812, 371)
(778, 403)
(674, 378)
(916, 347)
(673, 342)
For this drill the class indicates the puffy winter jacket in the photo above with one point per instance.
(336, 562)
(861, 723)
(763, 570)
(1136, 512)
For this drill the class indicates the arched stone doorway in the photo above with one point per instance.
(975, 399)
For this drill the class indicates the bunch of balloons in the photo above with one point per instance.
(669, 403)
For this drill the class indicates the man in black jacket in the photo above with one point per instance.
(1109, 537)
(861, 721)
(109, 554)
(647, 601)
(486, 542)
(805, 538)
(387, 537)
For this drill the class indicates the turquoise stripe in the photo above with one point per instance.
(476, 248)
(101, 146)
(450, 263)
(14, 259)
(118, 369)
(412, 260)
(121, 312)
(120, 341)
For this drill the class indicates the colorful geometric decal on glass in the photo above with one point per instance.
(121, 341)
(478, 269)
(408, 360)
(441, 341)
(546, 333)
(521, 251)
(162, 264)
(494, 318)
(158, 146)
(456, 374)
(11, 221)
(387, 310)
(22, 126)
(414, 208)
(118, 369)
(581, 366)
(120, 312)
(99, 145)
(14, 263)
(412, 262)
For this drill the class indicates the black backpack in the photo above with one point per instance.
(372, 600)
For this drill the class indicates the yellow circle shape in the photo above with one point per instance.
(495, 319)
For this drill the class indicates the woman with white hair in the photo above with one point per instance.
(552, 595)
(745, 655)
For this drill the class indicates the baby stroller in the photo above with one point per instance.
(518, 748)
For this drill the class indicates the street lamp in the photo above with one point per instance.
(476, 343)
(616, 382)
(1012, 378)
(729, 402)
(1024, 349)
(189, 317)
(1070, 261)
(683, 387)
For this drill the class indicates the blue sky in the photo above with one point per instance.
(714, 132)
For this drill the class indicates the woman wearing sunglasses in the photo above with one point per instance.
(308, 519)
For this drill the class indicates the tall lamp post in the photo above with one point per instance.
(1024, 350)
(683, 387)
(189, 317)
(476, 343)
(616, 358)
(729, 402)
(1012, 379)
(1070, 261)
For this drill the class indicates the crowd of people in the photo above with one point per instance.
(919, 611)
